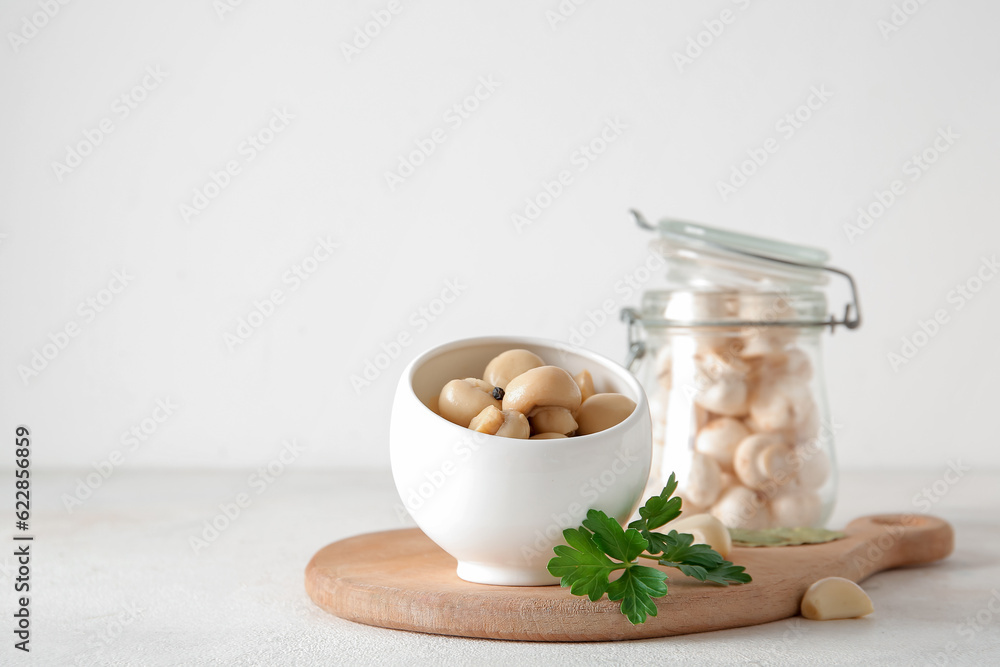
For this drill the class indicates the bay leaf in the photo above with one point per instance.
(783, 537)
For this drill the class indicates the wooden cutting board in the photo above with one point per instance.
(400, 579)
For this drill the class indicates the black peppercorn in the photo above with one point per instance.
(498, 393)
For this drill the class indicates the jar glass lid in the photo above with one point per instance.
(702, 257)
(708, 266)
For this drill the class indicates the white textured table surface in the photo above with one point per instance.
(117, 582)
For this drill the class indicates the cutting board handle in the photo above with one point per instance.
(896, 540)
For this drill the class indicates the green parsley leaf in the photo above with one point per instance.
(679, 549)
(625, 545)
(659, 510)
(581, 564)
(601, 546)
(727, 573)
(636, 588)
(699, 560)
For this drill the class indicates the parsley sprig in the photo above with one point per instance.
(601, 547)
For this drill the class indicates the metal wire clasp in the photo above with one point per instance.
(636, 347)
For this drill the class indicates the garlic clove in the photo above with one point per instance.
(706, 530)
(835, 598)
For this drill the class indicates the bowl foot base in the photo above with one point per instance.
(505, 576)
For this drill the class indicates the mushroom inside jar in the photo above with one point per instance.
(751, 417)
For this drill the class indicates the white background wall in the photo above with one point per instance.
(162, 336)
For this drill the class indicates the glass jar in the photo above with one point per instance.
(729, 355)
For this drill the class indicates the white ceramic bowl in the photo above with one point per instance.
(499, 505)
